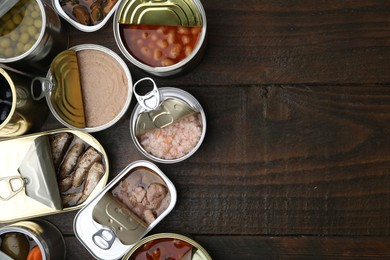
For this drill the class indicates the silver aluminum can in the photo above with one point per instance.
(51, 39)
(171, 13)
(155, 113)
(45, 234)
(106, 227)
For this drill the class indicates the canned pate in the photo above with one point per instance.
(28, 239)
(31, 34)
(131, 205)
(88, 87)
(167, 246)
(163, 38)
(85, 15)
(49, 173)
(167, 125)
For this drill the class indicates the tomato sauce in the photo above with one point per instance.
(159, 45)
(162, 248)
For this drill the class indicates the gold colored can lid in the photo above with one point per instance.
(169, 12)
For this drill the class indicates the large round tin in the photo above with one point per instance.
(48, 86)
(166, 93)
(45, 235)
(53, 38)
(24, 113)
(102, 241)
(197, 253)
(172, 12)
(82, 27)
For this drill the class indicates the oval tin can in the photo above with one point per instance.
(147, 119)
(18, 111)
(108, 226)
(42, 233)
(36, 54)
(60, 111)
(95, 8)
(20, 200)
(180, 13)
(194, 250)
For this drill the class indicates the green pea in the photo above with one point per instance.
(35, 14)
(17, 19)
(28, 20)
(27, 46)
(9, 52)
(14, 35)
(10, 25)
(24, 37)
(32, 30)
(38, 23)
(5, 43)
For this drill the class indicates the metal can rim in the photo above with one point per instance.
(129, 92)
(186, 97)
(13, 90)
(167, 235)
(168, 70)
(37, 42)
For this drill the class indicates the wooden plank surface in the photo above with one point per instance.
(295, 163)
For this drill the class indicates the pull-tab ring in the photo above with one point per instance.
(104, 238)
(151, 100)
(38, 90)
(14, 184)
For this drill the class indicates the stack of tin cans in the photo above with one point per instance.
(67, 169)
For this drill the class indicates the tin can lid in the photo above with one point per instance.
(170, 12)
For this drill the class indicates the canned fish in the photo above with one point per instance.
(163, 38)
(31, 34)
(167, 246)
(29, 239)
(131, 205)
(88, 87)
(167, 125)
(49, 173)
(18, 111)
(86, 15)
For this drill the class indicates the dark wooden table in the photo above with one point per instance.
(295, 163)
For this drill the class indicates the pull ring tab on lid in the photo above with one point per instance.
(151, 100)
(44, 86)
(104, 238)
(10, 186)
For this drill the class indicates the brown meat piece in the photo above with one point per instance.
(149, 216)
(70, 160)
(90, 156)
(155, 194)
(59, 144)
(65, 184)
(95, 173)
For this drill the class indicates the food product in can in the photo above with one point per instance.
(30, 157)
(159, 45)
(163, 38)
(131, 205)
(102, 87)
(167, 246)
(31, 240)
(86, 15)
(20, 28)
(170, 130)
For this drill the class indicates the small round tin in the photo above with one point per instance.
(33, 34)
(40, 233)
(85, 15)
(119, 216)
(168, 124)
(163, 38)
(173, 246)
(18, 111)
(102, 96)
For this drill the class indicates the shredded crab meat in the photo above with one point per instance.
(175, 140)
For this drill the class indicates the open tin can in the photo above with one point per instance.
(29, 237)
(86, 15)
(167, 246)
(163, 38)
(18, 111)
(131, 205)
(88, 87)
(167, 125)
(31, 34)
(49, 173)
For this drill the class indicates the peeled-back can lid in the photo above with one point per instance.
(169, 12)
